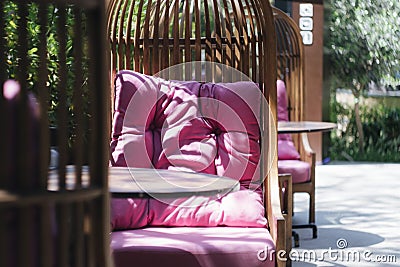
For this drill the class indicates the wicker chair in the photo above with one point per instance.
(290, 57)
(43, 222)
(149, 36)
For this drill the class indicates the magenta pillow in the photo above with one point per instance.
(190, 126)
(243, 208)
(282, 101)
(129, 213)
(286, 148)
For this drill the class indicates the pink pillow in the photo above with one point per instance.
(286, 148)
(243, 208)
(129, 213)
(282, 101)
(191, 126)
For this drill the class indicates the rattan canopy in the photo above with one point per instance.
(290, 62)
(169, 32)
(290, 65)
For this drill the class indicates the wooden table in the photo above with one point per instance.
(154, 183)
(304, 126)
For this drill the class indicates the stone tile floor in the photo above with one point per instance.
(358, 217)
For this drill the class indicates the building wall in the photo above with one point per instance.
(314, 74)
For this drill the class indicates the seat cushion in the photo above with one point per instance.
(193, 246)
(299, 170)
(241, 208)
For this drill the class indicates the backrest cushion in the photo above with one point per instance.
(190, 126)
(282, 99)
(286, 148)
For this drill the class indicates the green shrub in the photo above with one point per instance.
(381, 125)
(9, 11)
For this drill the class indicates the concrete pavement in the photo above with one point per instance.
(358, 217)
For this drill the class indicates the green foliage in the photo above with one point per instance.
(34, 29)
(363, 46)
(381, 125)
(363, 42)
(52, 40)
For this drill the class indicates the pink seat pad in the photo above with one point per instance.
(299, 170)
(193, 246)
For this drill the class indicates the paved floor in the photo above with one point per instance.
(358, 217)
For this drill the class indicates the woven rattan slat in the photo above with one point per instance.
(54, 52)
(22, 109)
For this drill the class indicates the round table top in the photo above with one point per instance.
(154, 183)
(304, 126)
(166, 183)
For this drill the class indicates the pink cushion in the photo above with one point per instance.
(129, 213)
(192, 246)
(189, 126)
(286, 148)
(282, 101)
(300, 170)
(241, 208)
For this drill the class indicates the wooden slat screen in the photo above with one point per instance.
(56, 52)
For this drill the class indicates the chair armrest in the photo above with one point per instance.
(308, 154)
(274, 214)
(306, 145)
